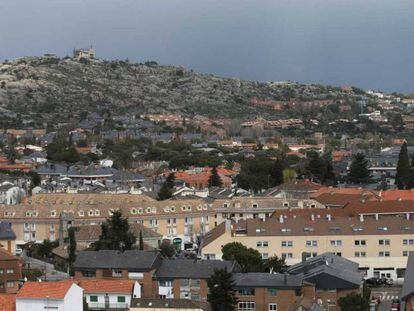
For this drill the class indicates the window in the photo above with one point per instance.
(116, 273)
(360, 242)
(246, 306)
(195, 296)
(89, 274)
(384, 254)
(265, 255)
(93, 298)
(10, 270)
(1, 271)
(246, 291)
(408, 242)
(272, 292)
(311, 254)
(10, 284)
(336, 242)
(272, 306)
(406, 253)
(262, 243)
(384, 242)
(383, 228)
(153, 223)
(360, 254)
(195, 283)
(121, 299)
(311, 243)
(164, 283)
(287, 255)
(287, 243)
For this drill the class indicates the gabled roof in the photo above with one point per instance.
(187, 268)
(110, 259)
(408, 287)
(329, 271)
(7, 302)
(107, 286)
(43, 290)
(5, 255)
(6, 232)
(258, 279)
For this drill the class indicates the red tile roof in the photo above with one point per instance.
(107, 286)
(8, 302)
(398, 194)
(51, 290)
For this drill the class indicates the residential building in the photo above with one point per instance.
(40, 296)
(136, 265)
(187, 279)
(379, 244)
(109, 294)
(270, 292)
(10, 272)
(333, 277)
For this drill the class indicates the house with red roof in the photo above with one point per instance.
(41, 296)
(109, 294)
(8, 302)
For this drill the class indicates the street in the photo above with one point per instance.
(386, 295)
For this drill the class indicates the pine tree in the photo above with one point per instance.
(221, 294)
(402, 178)
(358, 171)
(214, 180)
(115, 234)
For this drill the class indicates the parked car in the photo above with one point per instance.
(374, 281)
(387, 281)
(373, 306)
(18, 251)
(395, 305)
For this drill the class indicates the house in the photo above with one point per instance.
(7, 237)
(333, 276)
(129, 265)
(109, 294)
(270, 292)
(10, 272)
(40, 296)
(84, 53)
(187, 279)
(158, 304)
(8, 302)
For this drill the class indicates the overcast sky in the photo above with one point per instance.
(367, 43)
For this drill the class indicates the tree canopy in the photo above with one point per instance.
(167, 188)
(116, 234)
(403, 176)
(353, 302)
(214, 180)
(221, 294)
(358, 171)
(249, 259)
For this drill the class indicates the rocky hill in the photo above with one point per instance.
(50, 89)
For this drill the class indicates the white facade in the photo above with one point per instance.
(106, 301)
(71, 302)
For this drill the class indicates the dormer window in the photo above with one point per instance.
(148, 209)
(286, 204)
(225, 205)
(28, 213)
(81, 213)
(254, 205)
(140, 210)
(52, 213)
(97, 212)
(133, 211)
(90, 213)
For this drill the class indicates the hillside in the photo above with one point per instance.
(49, 89)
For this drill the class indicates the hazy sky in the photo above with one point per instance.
(367, 43)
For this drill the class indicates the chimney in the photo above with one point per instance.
(303, 257)
(376, 216)
(312, 217)
(281, 219)
(407, 216)
(361, 218)
(329, 217)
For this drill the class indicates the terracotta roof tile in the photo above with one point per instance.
(107, 286)
(52, 290)
(8, 302)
